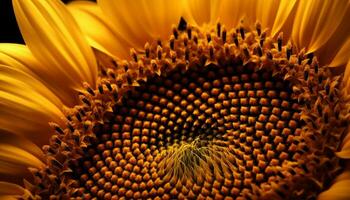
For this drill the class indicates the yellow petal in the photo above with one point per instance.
(16, 155)
(141, 21)
(207, 13)
(304, 16)
(203, 12)
(19, 57)
(231, 12)
(21, 142)
(100, 34)
(316, 22)
(339, 190)
(26, 105)
(283, 13)
(56, 41)
(10, 190)
(328, 20)
(343, 56)
(266, 12)
(345, 154)
(18, 158)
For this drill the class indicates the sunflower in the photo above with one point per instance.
(196, 99)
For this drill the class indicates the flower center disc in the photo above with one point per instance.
(245, 124)
(216, 115)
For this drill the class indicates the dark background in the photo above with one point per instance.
(8, 27)
(9, 32)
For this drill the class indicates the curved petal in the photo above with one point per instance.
(283, 13)
(339, 190)
(141, 21)
(14, 159)
(26, 105)
(10, 191)
(345, 152)
(342, 56)
(56, 41)
(201, 12)
(316, 22)
(19, 56)
(16, 155)
(327, 22)
(271, 14)
(99, 31)
(266, 12)
(21, 142)
(228, 12)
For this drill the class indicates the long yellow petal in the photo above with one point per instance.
(26, 105)
(141, 21)
(304, 16)
(283, 13)
(316, 22)
(266, 12)
(202, 12)
(207, 13)
(273, 14)
(11, 191)
(100, 33)
(328, 20)
(19, 57)
(21, 142)
(56, 41)
(342, 56)
(17, 158)
(10, 188)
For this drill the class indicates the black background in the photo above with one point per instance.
(9, 32)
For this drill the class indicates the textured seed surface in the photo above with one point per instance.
(237, 124)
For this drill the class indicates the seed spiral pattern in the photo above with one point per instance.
(220, 115)
(174, 128)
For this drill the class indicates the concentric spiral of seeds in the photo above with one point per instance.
(203, 122)
(218, 115)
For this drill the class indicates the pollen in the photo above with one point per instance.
(219, 114)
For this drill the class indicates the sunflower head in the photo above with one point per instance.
(208, 110)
